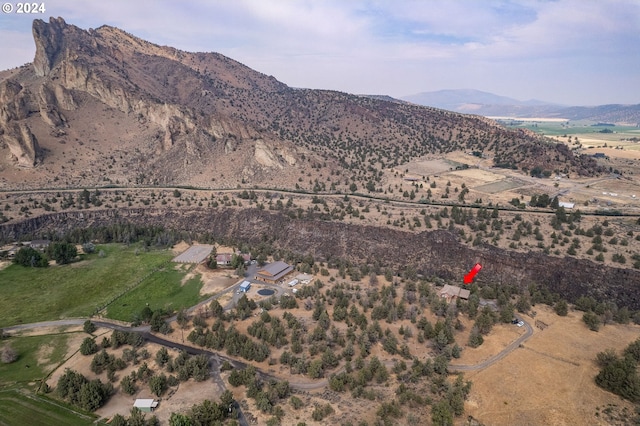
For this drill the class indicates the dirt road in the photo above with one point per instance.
(497, 357)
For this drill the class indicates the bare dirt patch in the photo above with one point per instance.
(180, 247)
(550, 380)
(500, 337)
(41, 331)
(500, 186)
(214, 281)
(478, 175)
(428, 167)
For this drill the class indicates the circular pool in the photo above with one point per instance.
(266, 292)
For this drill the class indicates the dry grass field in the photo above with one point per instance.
(550, 380)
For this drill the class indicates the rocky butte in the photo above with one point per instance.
(204, 119)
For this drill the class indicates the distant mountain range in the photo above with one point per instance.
(469, 101)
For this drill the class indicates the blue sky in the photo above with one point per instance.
(573, 52)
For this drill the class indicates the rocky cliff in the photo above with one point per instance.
(196, 118)
(435, 253)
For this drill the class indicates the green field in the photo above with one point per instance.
(162, 289)
(21, 408)
(552, 128)
(75, 290)
(27, 368)
(38, 356)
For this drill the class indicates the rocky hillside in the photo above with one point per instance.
(435, 253)
(104, 107)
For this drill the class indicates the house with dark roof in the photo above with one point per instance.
(274, 272)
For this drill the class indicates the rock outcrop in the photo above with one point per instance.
(16, 103)
(22, 144)
(203, 110)
(50, 43)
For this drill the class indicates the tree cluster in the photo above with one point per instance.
(78, 390)
(619, 374)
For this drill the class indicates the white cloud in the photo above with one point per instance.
(521, 48)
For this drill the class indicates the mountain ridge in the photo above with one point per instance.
(488, 104)
(132, 112)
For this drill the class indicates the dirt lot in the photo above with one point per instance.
(551, 379)
(214, 281)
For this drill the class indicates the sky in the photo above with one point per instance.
(570, 52)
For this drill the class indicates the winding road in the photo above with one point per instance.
(218, 358)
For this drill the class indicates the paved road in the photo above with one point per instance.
(218, 358)
(497, 357)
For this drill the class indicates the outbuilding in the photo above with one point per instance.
(145, 405)
(245, 286)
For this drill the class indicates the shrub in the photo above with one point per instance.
(561, 308)
(9, 354)
(88, 346)
(591, 320)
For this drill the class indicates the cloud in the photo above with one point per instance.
(511, 47)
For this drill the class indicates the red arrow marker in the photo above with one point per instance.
(472, 273)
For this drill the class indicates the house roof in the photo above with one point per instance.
(226, 257)
(223, 257)
(453, 291)
(566, 205)
(275, 270)
(145, 403)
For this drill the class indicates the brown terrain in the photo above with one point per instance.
(103, 107)
(532, 385)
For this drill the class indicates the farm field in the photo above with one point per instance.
(38, 356)
(74, 290)
(163, 289)
(588, 135)
(21, 408)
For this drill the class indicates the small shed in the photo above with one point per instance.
(145, 405)
(566, 205)
(245, 286)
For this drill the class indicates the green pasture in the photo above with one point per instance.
(28, 368)
(74, 290)
(577, 128)
(38, 356)
(18, 408)
(163, 289)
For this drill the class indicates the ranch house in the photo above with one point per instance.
(450, 292)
